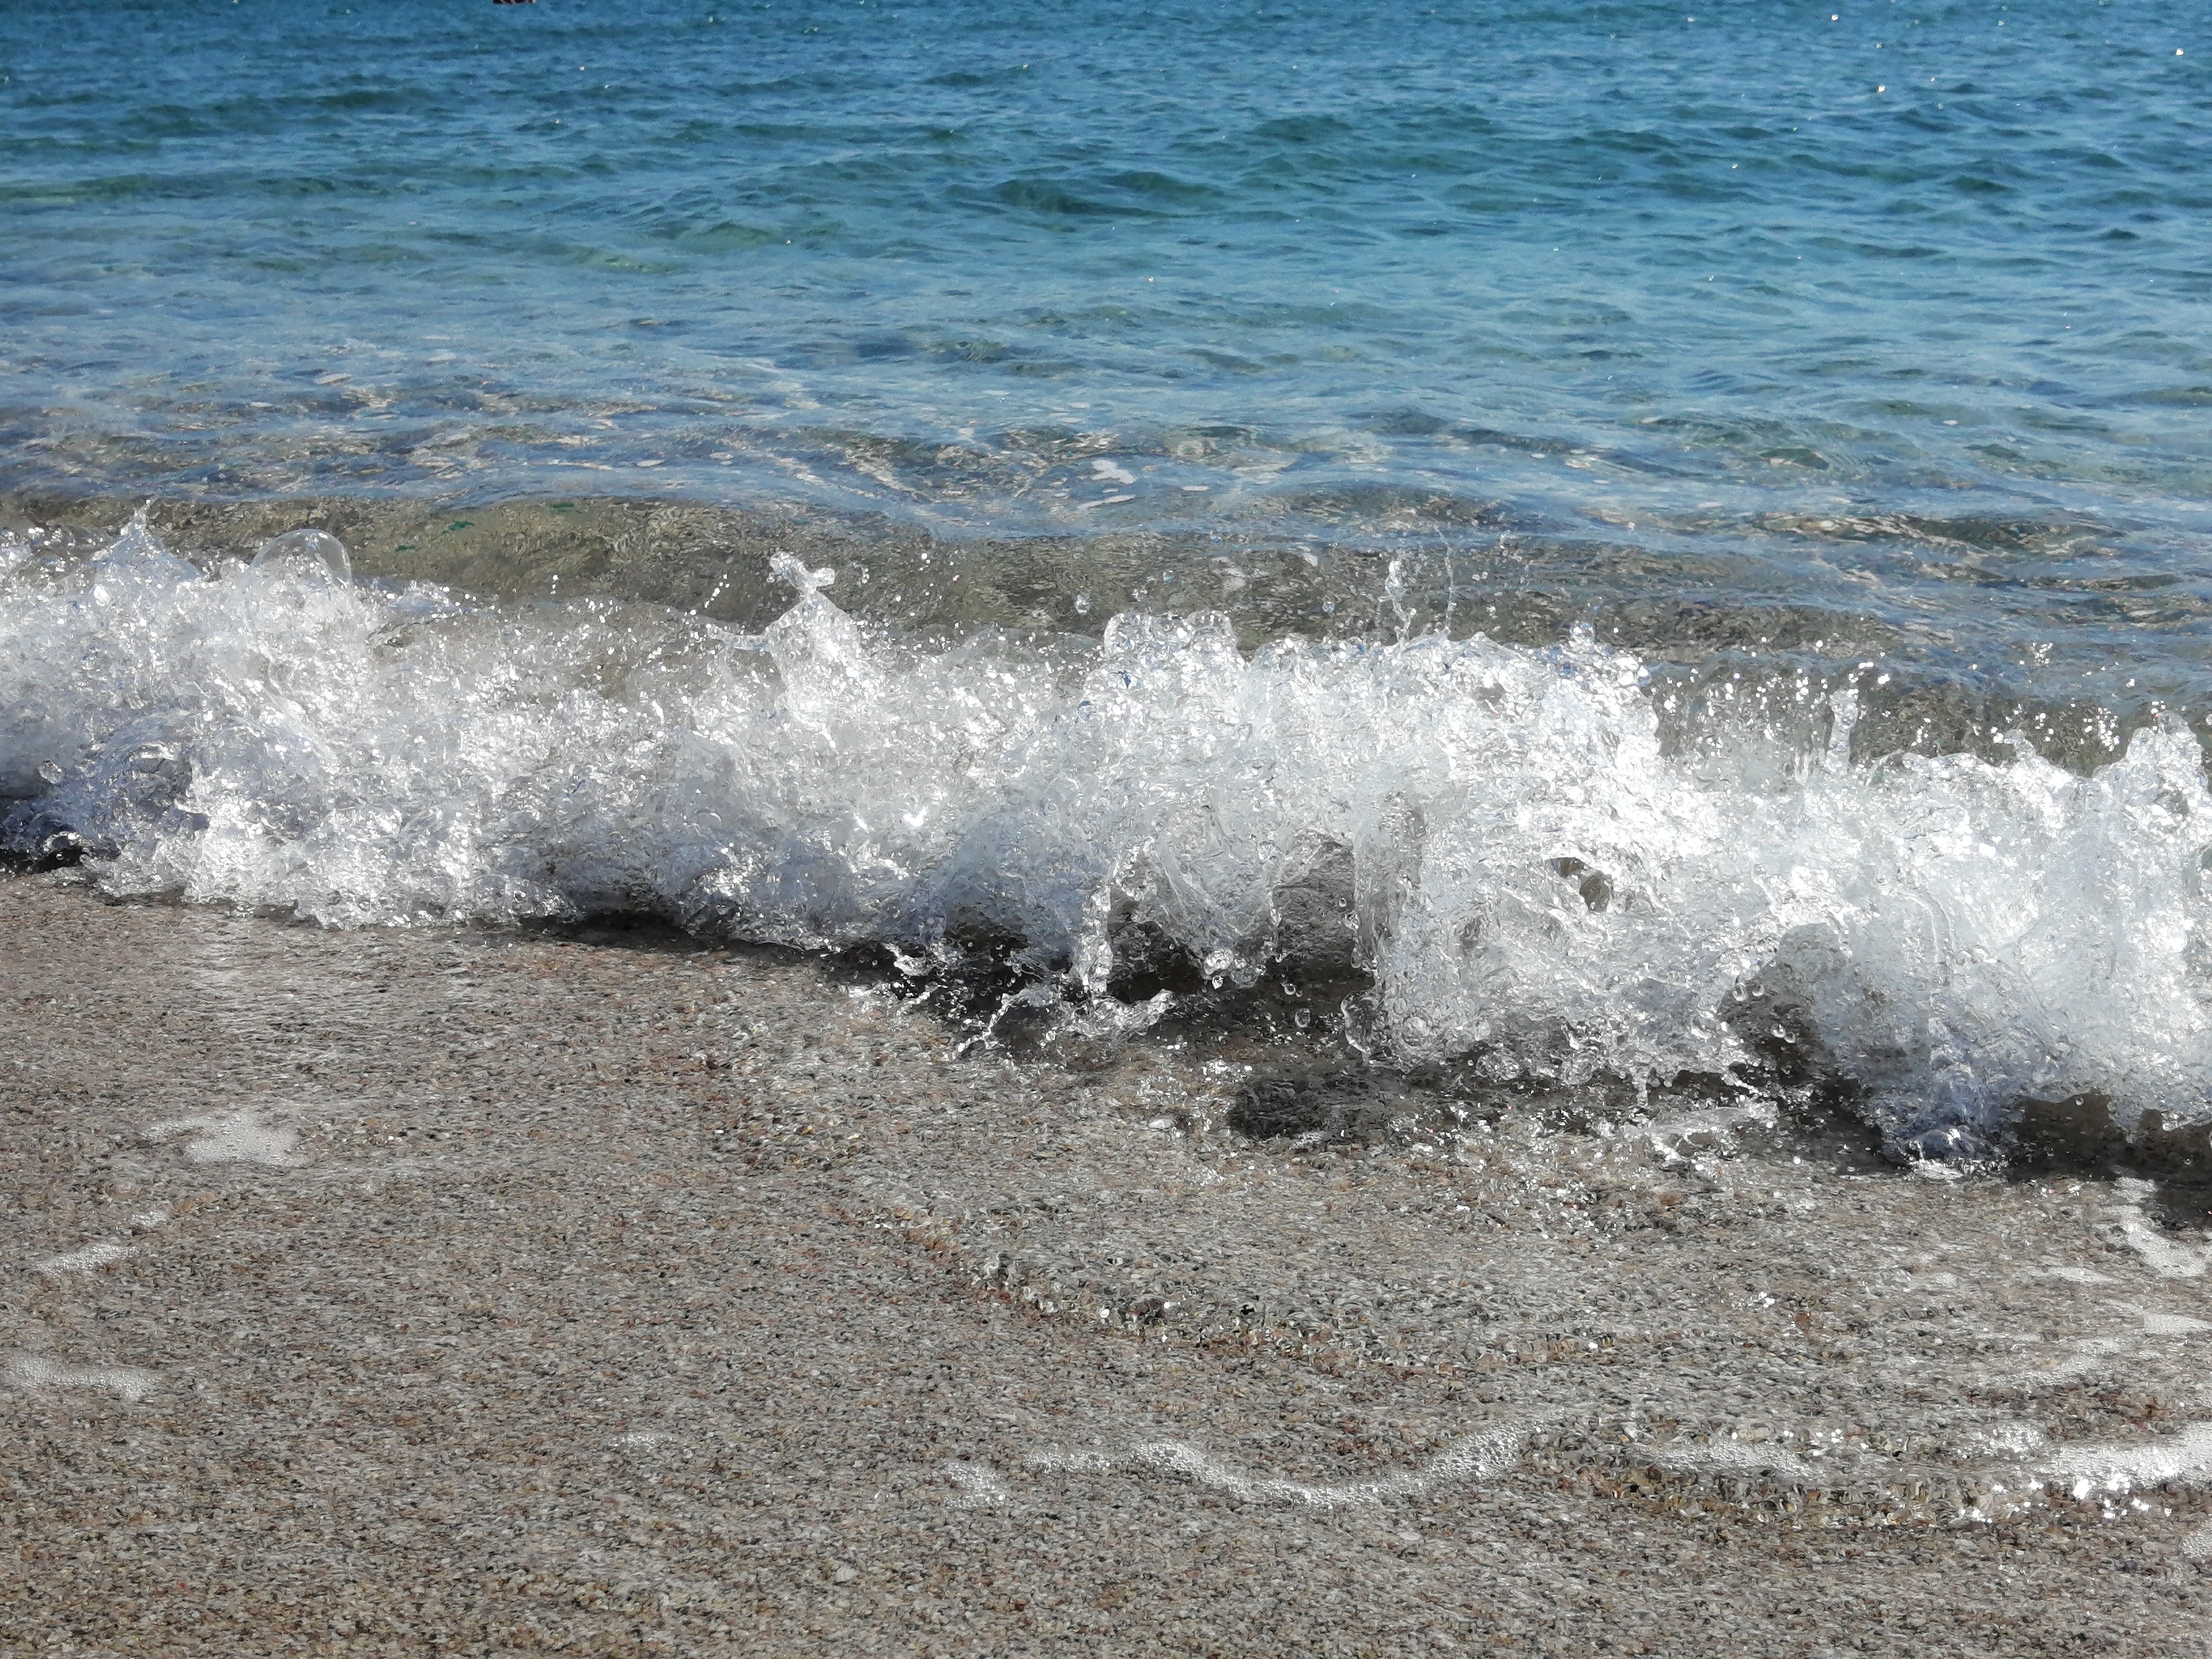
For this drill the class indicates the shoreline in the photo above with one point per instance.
(374, 1292)
(1526, 586)
(714, 561)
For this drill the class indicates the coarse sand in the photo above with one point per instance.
(461, 1292)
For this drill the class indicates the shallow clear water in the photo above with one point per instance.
(1578, 259)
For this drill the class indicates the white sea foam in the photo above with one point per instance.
(1736, 1458)
(980, 1486)
(2131, 1227)
(1494, 833)
(2086, 1355)
(126, 1382)
(1476, 1457)
(240, 1137)
(2092, 1467)
(2167, 1324)
(84, 1258)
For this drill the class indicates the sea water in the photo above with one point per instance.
(1767, 448)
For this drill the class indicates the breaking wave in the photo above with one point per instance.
(1493, 840)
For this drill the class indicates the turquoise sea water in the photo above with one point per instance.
(895, 253)
(1694, 282)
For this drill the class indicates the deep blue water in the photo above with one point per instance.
(1901, 305)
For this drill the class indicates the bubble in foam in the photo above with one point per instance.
(313, 554)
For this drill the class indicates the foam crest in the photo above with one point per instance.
(1494, 837)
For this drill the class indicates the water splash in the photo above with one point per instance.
(1495, 838)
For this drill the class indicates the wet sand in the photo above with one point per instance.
(462, 1292)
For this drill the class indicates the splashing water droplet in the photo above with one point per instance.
(306, 552)
(808, 582)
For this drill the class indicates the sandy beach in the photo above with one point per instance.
(470, 1293)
